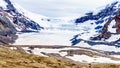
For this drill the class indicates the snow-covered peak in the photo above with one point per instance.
(92, 25)
(21, 18)
(108, 11)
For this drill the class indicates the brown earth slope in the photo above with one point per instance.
(15, 59)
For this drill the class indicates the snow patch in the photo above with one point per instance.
(84, 58)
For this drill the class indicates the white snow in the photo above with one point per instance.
(106, 48)
(84, 58)
(46, 37)
(63, 53)
(3, 4)
(117, 56)
(114, 38)
(33, 16)
(110, 28)
(83, 44)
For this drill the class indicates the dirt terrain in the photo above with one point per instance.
(15, 59)
(20, 59)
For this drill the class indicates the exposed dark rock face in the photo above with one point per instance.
(7, 28)
(105, 33)
(7, 31)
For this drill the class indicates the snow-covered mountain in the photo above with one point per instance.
(20, 19)
(17, 20)
(94, 23)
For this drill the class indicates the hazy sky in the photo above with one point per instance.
(59, 8)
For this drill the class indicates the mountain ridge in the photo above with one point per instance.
(102, 25)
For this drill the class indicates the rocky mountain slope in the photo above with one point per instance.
(13, 21)
(103, 26)
(7, 31)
